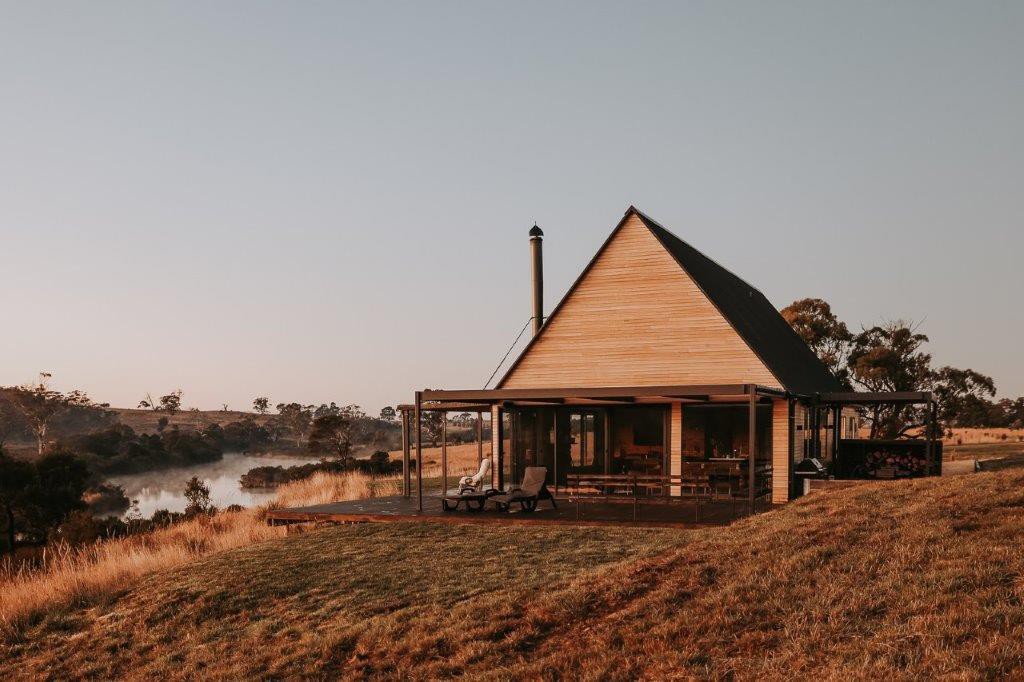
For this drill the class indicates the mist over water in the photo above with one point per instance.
(165, 489)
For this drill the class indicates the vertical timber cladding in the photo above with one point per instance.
(780, 450)
(675, 447)
(495, 443)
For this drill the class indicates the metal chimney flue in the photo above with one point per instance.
(537, 259)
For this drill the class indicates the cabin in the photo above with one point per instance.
(661, 377)
(660, 363)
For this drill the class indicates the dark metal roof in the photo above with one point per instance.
(536, 231)
(752, 315)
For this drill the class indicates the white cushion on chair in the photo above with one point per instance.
(476, 480)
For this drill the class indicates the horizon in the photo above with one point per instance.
(332, 202)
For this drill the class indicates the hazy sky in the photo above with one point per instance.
(330, 201)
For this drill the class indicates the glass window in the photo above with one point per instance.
(576, 439)
(589, 439)
(586, 439)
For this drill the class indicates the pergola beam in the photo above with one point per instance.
(518, 394)
(616, 400)
(449, 407)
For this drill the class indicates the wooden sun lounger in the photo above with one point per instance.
(532, 491)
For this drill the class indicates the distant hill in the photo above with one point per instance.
(145, 421)
(902, 579)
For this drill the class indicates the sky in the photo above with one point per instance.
(330, 201)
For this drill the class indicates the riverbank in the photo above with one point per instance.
(92, 572)
(165, 488)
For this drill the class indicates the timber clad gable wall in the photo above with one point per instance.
(636, 318)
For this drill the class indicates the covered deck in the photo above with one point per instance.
(631, 456)
(651, 455)
(720, 451)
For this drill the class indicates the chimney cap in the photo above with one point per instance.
(536, 231)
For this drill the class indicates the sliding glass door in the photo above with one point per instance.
(532, 443)
(586, 442)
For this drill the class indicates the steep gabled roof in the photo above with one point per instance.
(745, 308)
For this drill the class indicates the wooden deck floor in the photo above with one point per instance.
(398, 508)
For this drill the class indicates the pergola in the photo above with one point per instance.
(836, 401)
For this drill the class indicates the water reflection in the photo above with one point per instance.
(166, 489)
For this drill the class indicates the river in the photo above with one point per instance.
(165, 489)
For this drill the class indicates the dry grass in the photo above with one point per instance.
(970, 436)
(462, 459)
(903, 579)
(981, 451)
(104, 568)
(301, 606)
(983, 435)
(321, 488)
(97, 571)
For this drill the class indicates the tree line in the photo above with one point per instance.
(78, 442)
(891, 356)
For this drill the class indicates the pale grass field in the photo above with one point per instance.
(462, 459)
(970, 436)
(983, 435)
(72, 575)
(321, 488)
(145, 421)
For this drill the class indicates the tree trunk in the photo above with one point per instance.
(10, 528)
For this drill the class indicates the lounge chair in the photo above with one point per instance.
(471, 490)
(529, 493)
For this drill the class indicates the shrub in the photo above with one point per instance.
(378, 464)
(106, 498)
(119, 449)
(198, 495)
(79, 528)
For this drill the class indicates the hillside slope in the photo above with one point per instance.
(902, 579)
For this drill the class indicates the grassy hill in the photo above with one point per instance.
(145, 421)
(903, 579)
